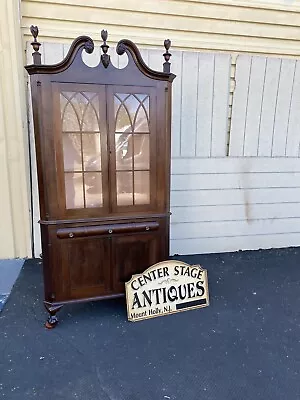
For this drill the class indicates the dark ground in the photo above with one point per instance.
(245, 345)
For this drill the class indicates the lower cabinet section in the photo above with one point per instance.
(86, 262)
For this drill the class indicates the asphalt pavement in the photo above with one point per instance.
(244, 346)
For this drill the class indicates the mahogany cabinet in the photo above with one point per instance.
(103, 156)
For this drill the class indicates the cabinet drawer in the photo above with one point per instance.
(95, 230)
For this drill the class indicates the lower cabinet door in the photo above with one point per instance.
(87, 268)
(132, 254)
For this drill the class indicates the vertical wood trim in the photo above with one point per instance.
(53, 53)
(155, 60)
(239, 108)
(293, 133)
(189, 105)
(176, 67)
(114, 58)
(145, 55)
(93, 59)
(123, 61)
(273, 67)
(66, 48)
(261, 106)
(221, 92)
(197, 102)
(247, 104)
(290, 106)
(256, 85)
(282, 107)
(205, 104)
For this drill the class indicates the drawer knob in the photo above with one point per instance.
(71, 234)
(110, 231)
(147, 228)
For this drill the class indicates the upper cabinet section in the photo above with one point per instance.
(102, 133)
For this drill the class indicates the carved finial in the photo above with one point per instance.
(105, 58)
(167, 56)
(36, 45)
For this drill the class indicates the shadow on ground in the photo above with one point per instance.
(245, 345)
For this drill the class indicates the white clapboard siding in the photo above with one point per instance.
(265, 102)
(233, 243)
(230, 204)
(196, 230)
(234, 212)
(265, 27)
(234, 165)
(234, 196)
(237, 180)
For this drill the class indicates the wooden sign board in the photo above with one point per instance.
(165, 288)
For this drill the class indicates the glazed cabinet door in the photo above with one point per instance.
(132, 145)
(132, 254)
(80, 129)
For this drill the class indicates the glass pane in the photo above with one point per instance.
(70, 120)
(79, 110)
(123, 122)
(72, 151)
(124, 189)
(141, 97)
(141, 122)
(93, 189)
(91, 151)
(141, 187)
(90, 117)
(131, 110)
(123, 143)
(74, 190)
(122, 96)
(141, 151)
(146, 105)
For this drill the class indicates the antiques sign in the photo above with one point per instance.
(165, 288)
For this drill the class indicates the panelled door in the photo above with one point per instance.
(132, 147)
(133, 254)
(81, 150)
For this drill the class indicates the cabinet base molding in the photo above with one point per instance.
(54, 308)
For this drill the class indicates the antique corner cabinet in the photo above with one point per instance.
(103, 156)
